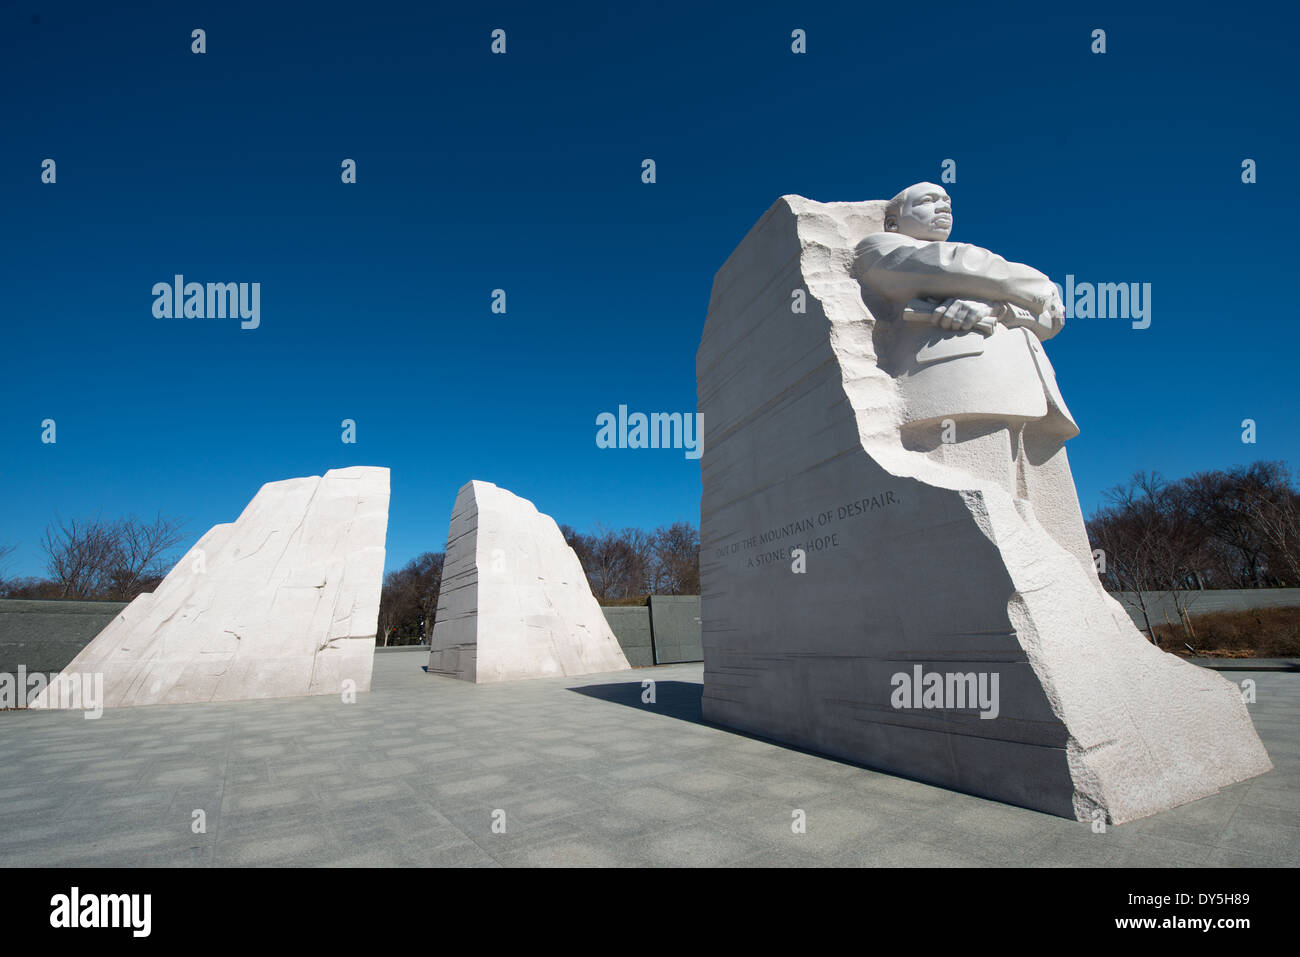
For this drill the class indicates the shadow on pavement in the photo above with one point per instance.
(676, 699)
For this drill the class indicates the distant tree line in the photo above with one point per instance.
(1233, 528)
(95, 559)
(630, 564)
(408, 600)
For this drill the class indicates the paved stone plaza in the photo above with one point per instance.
(586, 775)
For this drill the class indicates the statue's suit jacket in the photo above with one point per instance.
(962, 375)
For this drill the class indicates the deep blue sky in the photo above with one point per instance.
(523, 172)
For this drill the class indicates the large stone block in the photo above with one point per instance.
(514, 601)
(283, 602)
(849, 546)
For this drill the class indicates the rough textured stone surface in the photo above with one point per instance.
(515, 602)
(916, 556)
(283, 602)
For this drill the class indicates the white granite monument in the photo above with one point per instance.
(515, 602)
(895, 570)
(283, 602)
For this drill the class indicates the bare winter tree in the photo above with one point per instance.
(611, 564)
(79, 555)
(98, 559)
(409, 598)
(1273, 507)
(140, 554)
(632, 563)
(677, 551)
(641, 555)
(1220, 502)
(1150, 542)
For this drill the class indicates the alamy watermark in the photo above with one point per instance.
(1106, 300)
(214, 300)
(946, 691)
(658, 430)
(127, 911)
(68, 691)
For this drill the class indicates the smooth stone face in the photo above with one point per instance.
(956, 551)
(515, 602)
(283, 602)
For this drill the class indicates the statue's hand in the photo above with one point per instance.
(961, 315)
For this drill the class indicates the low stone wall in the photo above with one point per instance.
(1161, 609)
(43, 636)
(675, 623)
(631, 626)
(666, 631)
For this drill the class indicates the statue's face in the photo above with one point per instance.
(926, 213)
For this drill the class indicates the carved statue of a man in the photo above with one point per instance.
(961, 334)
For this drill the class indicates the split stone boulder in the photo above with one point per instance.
(282, 602)
(515, 602)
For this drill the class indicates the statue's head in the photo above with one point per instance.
(923, 211)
